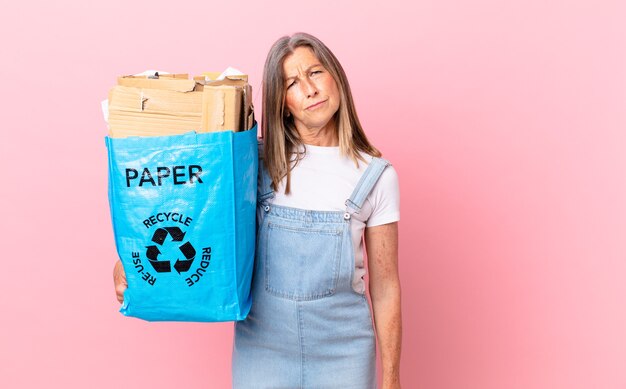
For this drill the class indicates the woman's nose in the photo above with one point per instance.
(309, 88)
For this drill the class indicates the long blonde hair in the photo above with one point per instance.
(280, 137)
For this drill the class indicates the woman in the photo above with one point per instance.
(320, 189)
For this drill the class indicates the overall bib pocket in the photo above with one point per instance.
(301, 263)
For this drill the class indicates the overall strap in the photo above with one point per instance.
(265, 191)
(365, 185)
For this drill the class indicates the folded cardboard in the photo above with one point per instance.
(173, 104)
(174, 84)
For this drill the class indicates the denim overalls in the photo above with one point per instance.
(307, 327)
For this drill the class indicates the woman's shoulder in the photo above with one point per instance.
(368, 158)
(385, 197)
(388, 181)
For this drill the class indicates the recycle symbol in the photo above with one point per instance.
(164, 266)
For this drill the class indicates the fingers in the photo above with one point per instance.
(119, 293)
(118, 272)
(119, 279)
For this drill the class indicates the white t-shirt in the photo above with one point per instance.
(324, 179)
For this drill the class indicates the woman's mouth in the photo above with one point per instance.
(316, 104)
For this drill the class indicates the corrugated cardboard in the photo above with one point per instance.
(153, 112)
(142, 106)
(175, 84)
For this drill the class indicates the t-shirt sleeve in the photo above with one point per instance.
(385, 199)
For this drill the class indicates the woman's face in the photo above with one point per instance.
(311, 93)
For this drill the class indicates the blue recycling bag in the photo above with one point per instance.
(184, 218)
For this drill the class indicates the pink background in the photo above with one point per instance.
(504, 119)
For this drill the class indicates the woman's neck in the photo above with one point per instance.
(321, 136)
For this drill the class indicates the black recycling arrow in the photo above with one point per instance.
(159, 236)
(177, 234)
(152, 253)
(189, 252)
(161, 233)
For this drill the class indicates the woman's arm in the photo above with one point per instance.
(382, 252)
(119, 279)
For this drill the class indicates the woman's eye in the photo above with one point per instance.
(291, 84)
(316, 72)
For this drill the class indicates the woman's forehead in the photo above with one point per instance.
(302, 59)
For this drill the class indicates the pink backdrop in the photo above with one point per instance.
(504, 119)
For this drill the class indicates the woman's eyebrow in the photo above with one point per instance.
(306, 70)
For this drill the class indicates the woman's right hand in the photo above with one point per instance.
(119, 278)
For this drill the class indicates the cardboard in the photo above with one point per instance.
(174, 104)
(175, 84)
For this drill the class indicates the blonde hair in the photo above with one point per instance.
(280, 137)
